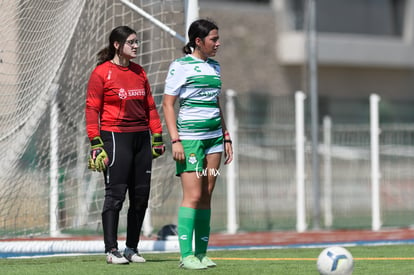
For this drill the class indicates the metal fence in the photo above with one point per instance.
(266, 188)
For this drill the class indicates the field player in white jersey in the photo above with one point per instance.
(199, 137)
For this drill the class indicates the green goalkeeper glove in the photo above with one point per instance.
(98, 159)
(158, 147)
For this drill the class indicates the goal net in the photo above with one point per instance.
(47, 51)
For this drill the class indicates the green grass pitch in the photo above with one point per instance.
(381, 260)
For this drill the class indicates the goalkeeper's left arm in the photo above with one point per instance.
(154, 122)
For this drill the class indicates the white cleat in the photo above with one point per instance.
(133, 256)
(114, 257)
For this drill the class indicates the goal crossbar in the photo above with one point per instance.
(153, 20)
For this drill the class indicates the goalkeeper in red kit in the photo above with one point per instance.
(125, 132)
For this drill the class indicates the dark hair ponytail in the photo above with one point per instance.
(189, 47)
(105, 54)
(199, 28)
(119, 34)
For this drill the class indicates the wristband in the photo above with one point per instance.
(175, 140)
(96, 142)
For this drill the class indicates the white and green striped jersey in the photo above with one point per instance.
(197, 84)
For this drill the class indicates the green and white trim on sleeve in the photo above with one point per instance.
(197, 83)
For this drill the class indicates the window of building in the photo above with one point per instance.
(374, 17)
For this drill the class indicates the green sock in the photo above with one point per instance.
(186, 218)
(202, 230)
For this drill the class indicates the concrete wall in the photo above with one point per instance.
(257, 56)
(247, 53)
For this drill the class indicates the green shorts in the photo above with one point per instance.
(195, 152)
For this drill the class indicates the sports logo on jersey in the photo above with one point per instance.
(197, 69)
(172, 72)
(122, 94)
(204, 239)
(136, 92)
(192, 158)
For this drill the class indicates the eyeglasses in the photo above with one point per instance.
(132, 42)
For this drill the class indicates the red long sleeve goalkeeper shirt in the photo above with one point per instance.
(119, 99)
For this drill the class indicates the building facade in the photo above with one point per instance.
(363, 47)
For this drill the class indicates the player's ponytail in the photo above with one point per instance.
(199, 28)
(104, 55)
(189, 47)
